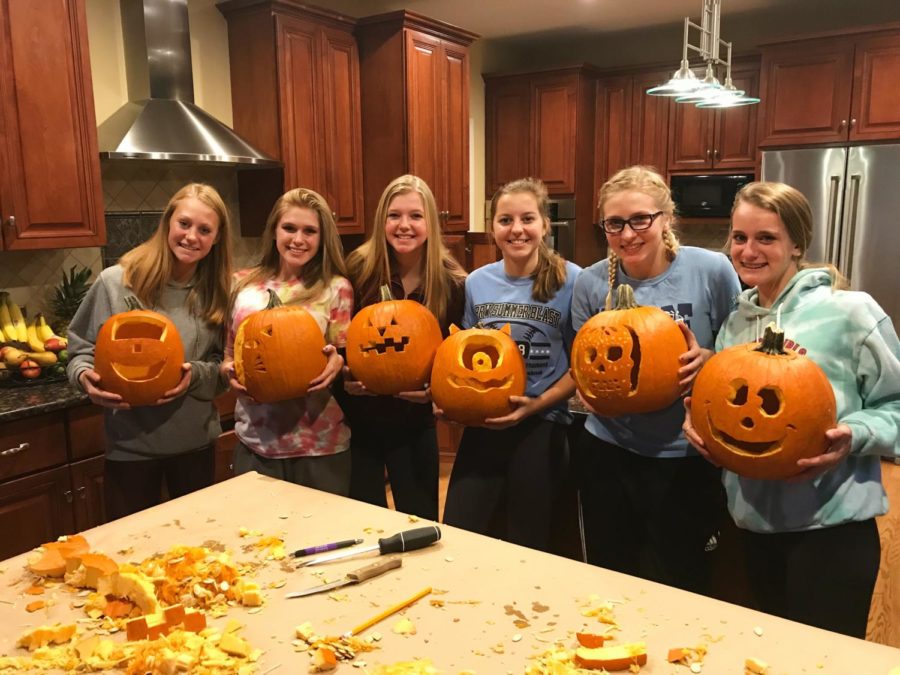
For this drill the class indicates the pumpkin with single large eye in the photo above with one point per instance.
(760, 408)
(278, 351)
(475, 372)
(391, 345)
(138, 355)
(625, 360)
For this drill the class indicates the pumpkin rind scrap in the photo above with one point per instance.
(277, 352)
(759, 409)
(475, 372)
(391, 345)
(139, 355)
(625, 360)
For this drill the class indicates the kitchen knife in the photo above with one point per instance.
(408, 540)
(355, 577)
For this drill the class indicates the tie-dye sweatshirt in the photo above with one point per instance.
(852, 339)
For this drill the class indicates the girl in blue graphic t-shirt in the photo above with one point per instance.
(508, 473)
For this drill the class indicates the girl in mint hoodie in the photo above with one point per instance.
(811, 542)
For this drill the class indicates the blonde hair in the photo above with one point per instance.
(328, 262)
(793, 209)
(370, 263)
(646, 180)
(148, 267)
(550, 273)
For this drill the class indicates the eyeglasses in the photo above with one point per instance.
(636, 223)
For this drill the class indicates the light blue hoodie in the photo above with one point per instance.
(851, 338)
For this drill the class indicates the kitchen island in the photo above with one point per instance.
(494, 606)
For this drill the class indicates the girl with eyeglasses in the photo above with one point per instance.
(667, 499)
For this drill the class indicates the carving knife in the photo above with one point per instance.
(408, 540)
(355, 577)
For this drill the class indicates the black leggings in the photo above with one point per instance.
(650, 517)
(822, 577)
(411, 458)
(505, 483)
(129, 487)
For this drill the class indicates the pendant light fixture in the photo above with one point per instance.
(708, 91)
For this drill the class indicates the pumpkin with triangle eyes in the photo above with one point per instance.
(138, 355)
(475, 372)
(278, 351)
(625, 360)
(760, 408)
(391, 345)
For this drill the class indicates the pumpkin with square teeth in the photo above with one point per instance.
(625, 360)
(391, 345)
(475, 372)
(278, 351)
(760, 408)
(138, 355)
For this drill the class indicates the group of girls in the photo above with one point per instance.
(651, 502)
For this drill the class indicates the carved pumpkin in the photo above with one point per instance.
(138, 355)
(277, 351)
(475, 372)
(391, 345)
(760, 408)
(625, 360)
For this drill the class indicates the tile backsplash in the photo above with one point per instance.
(134, 195)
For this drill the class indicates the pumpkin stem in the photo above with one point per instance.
(386, 295)
(132, 303)
(625, 297)
(274, 300)
(773, 341)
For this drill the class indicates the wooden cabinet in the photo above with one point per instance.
(50, 194)
(295, 95)
(414, 75)
(701, 139)
(507, 130)
(649, 121)
(830, 90)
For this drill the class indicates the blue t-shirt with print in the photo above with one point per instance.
(542, 330)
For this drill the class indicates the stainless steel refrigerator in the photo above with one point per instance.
(855, 197)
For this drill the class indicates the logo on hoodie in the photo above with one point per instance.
(683, 311)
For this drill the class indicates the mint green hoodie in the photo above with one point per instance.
(852, 339)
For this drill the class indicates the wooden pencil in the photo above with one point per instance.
(386, 613)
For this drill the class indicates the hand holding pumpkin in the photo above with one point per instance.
(840, 440)
(90, 382)
(178, 389)
(525, 406)
(419, 396)
(353, 386)
(692, 360)
(332, 367)
(690, 433)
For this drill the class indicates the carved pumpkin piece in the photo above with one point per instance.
(615, 354)
(146, 349)
(754, 419)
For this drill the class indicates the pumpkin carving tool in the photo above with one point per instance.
(355, 577)
(408, 540)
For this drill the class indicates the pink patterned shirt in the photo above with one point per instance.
(303, 427)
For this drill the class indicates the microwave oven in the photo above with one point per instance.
(706, 195)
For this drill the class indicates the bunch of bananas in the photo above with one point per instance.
(27, 345)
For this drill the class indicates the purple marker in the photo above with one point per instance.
(327, 547)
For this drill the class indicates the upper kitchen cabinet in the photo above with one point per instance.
(296, 95)
(831, 89)
(415, 105)
(50, 195)
(709, 139)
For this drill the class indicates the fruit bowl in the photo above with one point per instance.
(13, 377)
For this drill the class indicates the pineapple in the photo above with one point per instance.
(68, 297)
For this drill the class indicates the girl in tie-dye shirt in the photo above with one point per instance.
(301, 440)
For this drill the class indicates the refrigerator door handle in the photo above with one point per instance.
(848, 243)
(834, 185)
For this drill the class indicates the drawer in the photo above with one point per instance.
(86, 437)
(32, 444)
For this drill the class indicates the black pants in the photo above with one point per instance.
(505, 483)
(822, 577)
(129, 487)
(649, 517)
(411, 458)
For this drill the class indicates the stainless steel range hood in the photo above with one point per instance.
(160, 121)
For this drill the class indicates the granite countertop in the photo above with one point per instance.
(19, 402)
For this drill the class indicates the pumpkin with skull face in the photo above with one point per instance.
(625, 360)
(278, 351)
(391, 345)
(760, 408)
(138, 355)
(475, 372)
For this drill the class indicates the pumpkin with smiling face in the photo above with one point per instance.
(391, 345)
(625, 360)
(138, 355)
(760, 408)
(475, 372)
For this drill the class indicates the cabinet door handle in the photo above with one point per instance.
(334, 215)
(852, 121)
(68, 495)
(21, 447)
(843, 123)
(82, 492)
(716, 153)
(708, 153)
